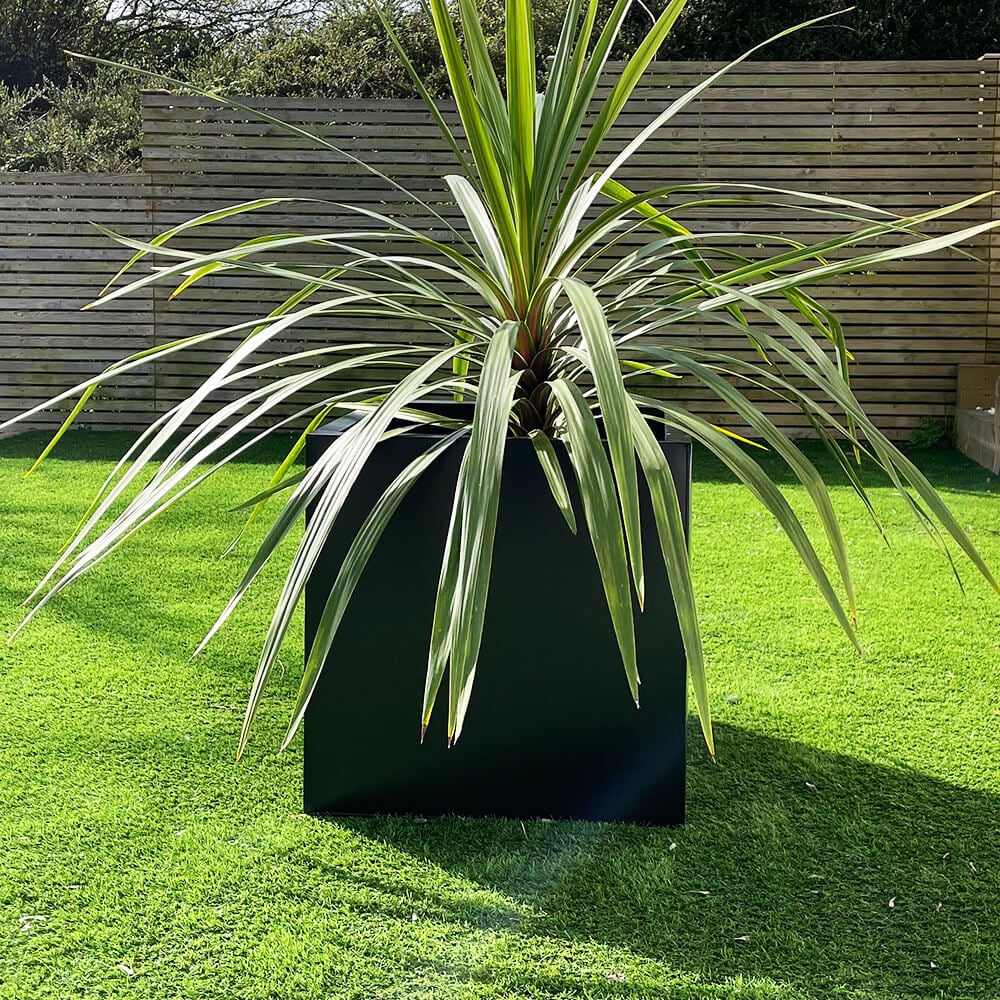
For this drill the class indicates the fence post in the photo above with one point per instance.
(991, 346)
(153, 223)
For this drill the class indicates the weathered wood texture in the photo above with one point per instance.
(907, 136)
(53, 261)
(991, 355)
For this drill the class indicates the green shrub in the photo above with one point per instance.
(349, 55)
(55, 118)
(932, 432)
(875, 29)
(86, 125)
(33, 34)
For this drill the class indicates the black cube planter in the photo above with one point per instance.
(551, 729)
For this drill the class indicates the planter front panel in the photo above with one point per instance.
(551, 730)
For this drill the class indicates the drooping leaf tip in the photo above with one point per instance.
(423, 732)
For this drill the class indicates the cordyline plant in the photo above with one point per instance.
(556, 319)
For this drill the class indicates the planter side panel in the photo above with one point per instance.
(551, 729)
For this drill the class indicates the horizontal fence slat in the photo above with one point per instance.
(905, 136)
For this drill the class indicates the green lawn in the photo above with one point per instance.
(847, 843)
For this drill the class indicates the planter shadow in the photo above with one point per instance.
(805, 875)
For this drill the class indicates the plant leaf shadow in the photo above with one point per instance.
(82, 444)
(948, 469)
(831, 875)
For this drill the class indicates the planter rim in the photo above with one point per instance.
(665, 434)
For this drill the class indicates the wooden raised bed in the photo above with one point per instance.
(977, 422)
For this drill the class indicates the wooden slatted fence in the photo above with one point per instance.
(53, 261)
(906, 136)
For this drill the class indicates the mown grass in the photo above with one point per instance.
(846, 844)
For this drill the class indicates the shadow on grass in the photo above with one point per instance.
(797, 866)
(109, 446)
(946, 468)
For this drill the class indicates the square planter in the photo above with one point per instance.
(551, 729)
